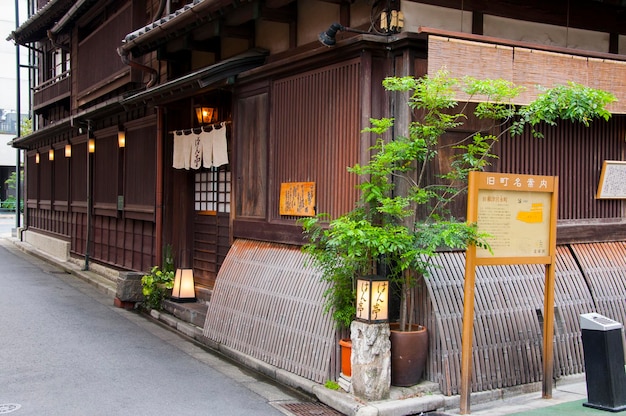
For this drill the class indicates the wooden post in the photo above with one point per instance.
(468, 303)
(548, 333)
(548, 303)
(467, 334)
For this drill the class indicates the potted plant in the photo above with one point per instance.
(156, 284)
(403, 216)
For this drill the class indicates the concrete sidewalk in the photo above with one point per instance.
(568, 394)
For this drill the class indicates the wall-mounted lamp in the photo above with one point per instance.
(121, 138)
(392, 21)
(91, 145)
(37, 158)
(327, 38)
(68, 150)
(372, 299)
(184, 287)
(51, 155)
(206, 115)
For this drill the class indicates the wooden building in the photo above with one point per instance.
(292, 110)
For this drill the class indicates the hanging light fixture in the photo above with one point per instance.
(121, 138)
(372, 299)
(68, 150)
(37, 157)
(184, 287)
(91, 145)
(206, 115)
(51, 155)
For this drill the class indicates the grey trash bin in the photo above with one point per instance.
(604, 362)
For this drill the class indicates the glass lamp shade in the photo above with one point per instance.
(205, 115)
(68, 150)
(91, 145)
(51, 154)
(184, 287)
(121, 139)
(372, 299)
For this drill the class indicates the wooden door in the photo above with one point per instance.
(211, 230)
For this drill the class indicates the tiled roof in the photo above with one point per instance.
(203, 78)
(36, 26)
(188, 8)
(182, 21)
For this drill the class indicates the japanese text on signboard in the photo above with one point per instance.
(297, 199)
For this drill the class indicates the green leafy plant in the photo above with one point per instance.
(11, 183)
(403, 215)
(156, 283)
(332, 385)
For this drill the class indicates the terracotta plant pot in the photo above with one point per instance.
(409, 350)
(346, 352)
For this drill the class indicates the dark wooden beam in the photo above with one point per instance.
(581, 14)
(285, 14)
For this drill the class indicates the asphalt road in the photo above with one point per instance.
(7, 223)
(66, 350)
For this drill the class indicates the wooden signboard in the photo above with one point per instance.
(297, 199)
(612, 183)
(519, 214)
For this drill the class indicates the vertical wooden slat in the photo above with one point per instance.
(332, 93)
(268, 304)
(507, 333)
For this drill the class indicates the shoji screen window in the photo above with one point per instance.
(212, 190)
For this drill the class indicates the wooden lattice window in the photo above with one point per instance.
(212, 190)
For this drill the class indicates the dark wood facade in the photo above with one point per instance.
(294, 112)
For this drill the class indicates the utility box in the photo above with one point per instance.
(603, 348)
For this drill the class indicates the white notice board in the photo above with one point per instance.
(612, 183)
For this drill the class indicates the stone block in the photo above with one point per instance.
(129, 287)
(52, 246)
(371, 360)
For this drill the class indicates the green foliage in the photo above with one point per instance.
(11, 183)
(402, 217)
(26, 127)
(332, 385)
(156, 283)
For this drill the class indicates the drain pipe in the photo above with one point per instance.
(159, 185)
(89, 196)
(124, 54)
(127, 61)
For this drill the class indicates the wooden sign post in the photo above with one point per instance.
(519, 214)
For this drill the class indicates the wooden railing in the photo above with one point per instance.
(52, 90)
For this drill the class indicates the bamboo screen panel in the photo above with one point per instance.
(267, 303)
(507, 329)
(526, 67)
(317, 135)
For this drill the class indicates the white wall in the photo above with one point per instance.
(8, 70)
(416, 15)
(7, 153)
(545, 34)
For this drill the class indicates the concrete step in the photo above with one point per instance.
(190, 312)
